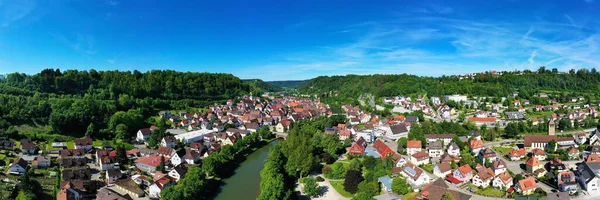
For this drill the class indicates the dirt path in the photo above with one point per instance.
(329, 193)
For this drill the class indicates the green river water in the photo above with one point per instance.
(245, 182)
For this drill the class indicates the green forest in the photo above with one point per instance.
(76, 103)
(528, 83)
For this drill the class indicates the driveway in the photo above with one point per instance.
(328, 192)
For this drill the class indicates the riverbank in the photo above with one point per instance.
(218, 184)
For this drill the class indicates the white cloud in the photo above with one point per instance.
(112, 3)
(530, 59)
(14, 11)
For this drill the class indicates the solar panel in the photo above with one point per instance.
(411, 171)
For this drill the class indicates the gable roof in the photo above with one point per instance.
(21, 162)
(476, 144)
(83, 141)
(382, 148)
(529, 139)
(592, 158)
(465, 169)
(399, 128)
(413, 144)
(532, 161)
(165, 151)
(444, 167)
(151, 160)
(436, 190)
(527, 184)
(421, 155)
(486, 174)
(71, 152)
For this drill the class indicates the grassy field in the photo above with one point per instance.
(490, 191)
(339, 187)
(502, 150)
(540, 114)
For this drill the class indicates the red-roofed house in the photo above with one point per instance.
(413, 146)
(526, 186)
(476, 146)
(382, 149)
(148, 164)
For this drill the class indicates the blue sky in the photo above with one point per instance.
(290, 40)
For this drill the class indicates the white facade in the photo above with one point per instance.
(456, 98)
(175, 159)
(498, 183)
(193, 136)
(411, 151)
(434, 153)
(478, 182)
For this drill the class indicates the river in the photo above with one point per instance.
(245, 182)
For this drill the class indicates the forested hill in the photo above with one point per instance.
(288, 84)
(154, 84)
(259, 86)
(528, 83)
(96, 102)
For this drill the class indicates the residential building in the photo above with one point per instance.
(399, 131)
(413, 146)
(487, 155)
(414, 174)
(144, 134)
(382, 149)
(436, 149)
(27, 147)
(178, 172)
(535, 167)
(69, 192)
(113, 175)
(419, 158)
(499, 166)
(476, 145)
(484, 178)
(129, 187)
(105, 193)
(503, 181)
(540, 154)
(19, 166)
(148, 164)
(573, 153)
(386, 183)
(41, 162)
(462, 174)
(168, 141)
(192, 157)
(588, 176)
(441, 170)
(159, 185)
(358, 147)
(526, 186)
(437, 189)
(83, 143)
(445, 138)
(453, 149)
(565, 181)
(537, 141)
(515, 155)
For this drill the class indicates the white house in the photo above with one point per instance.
(442, 170)
(453, 149)
(113, 175)
(83, 143)
(502, 181)
(483, 178)
(178, 172)
(19, 166)
(168, 141)
(436, 149)
(499, 166)
(144, 134)
(413, 146)
(420, 158)
(455, 97)
(192, 157)
(415, 175)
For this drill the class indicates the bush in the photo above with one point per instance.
(326, 170)
(319, 179)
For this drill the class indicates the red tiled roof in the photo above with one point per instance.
(151, 160)
(528, 184)
(413, 144)
(465, 169)
(533, 161)
(482, 119)
(382, 148)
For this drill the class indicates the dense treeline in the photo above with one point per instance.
(287, 84)
(528, 83)
(109, 101)
(304, 148)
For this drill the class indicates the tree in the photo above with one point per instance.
(453, 165)
(161, 166)
(121, 156)
(551, 147)
(353, 178)
(265, 133)
(511, 130)
(355, 165)
(401, 145)
(337, 171)
(90, 130)
(362, 196)
(121, 131)
(400, 186)
(310, 187)
(564, 124)
(369, 187)
(447, 196)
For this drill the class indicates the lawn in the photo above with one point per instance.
(502, 150)
(540, 114)
(410, 195)
(427, 167)
(490, 191)
(339, 187)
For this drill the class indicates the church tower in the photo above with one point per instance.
(551, 127)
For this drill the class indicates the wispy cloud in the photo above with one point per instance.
(83, 44)
(112, 3)
(14, 11)
(454, 46)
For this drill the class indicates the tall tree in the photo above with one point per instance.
(353, 178)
